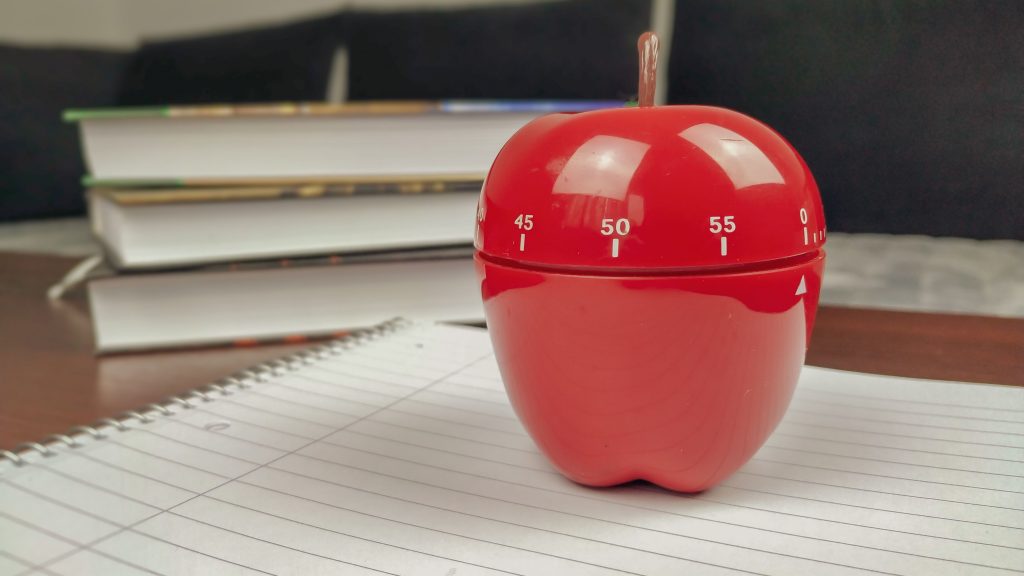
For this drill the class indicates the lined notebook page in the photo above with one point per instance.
(401, 455)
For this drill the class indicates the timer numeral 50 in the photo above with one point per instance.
(610, 226)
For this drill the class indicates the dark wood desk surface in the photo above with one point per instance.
(50, 380)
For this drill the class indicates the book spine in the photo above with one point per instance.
(384, 183)
(99, 430)
(136, 196)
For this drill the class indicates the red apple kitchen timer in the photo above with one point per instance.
(650, 278)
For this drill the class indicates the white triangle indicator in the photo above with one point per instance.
(802, 288)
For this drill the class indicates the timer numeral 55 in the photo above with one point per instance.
(722, 224)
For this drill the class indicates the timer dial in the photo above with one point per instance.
(659, 188)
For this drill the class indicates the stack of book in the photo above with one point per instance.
(238, 224)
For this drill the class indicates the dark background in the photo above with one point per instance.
(909, 113)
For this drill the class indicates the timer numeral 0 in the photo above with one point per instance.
(610, 226)
(722, 223)
(525, 221)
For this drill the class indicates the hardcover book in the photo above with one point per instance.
(221, 143)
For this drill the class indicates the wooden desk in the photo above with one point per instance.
(50, 380)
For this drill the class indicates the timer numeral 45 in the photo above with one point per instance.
(525, 221)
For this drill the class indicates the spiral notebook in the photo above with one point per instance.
(395, 452)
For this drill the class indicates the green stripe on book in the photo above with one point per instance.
(77, 114)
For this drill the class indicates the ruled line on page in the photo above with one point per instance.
(332, 397)
(905, 423)
(740, 472)
(267, 419)
(58, 540)
(88, 513)
(319, 502)
(364, 416)
(22, 563)
(235, 420)
(143, 509)
(895, 435)
(350, 433)
(403, 476)
(95, 562)
(77, 542)
(891, 477)
(242, 431)
(326, 417)
(889, 447)
(122, 469)
(403, 375)
(516, 431)
(293, 402)
(703, 497)
(460, 428)
(420, 361)
(259, 465)
(175, 449)
(155, 479)
(795, 411)
(197, 447)
(117, 561)
(456, 535)
(342, 386)
(60, 503)
(475, 494)
(799, 480)
(423, 434)
(804, 399)
(494, 429)
(807, 388)
(278, 544)
(350, 377)
(884, 461)
(350, 535)
(502, 479)
(151, 477)
(60, 557)
(911, 391)
(134, 531)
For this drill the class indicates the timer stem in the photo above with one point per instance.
(647, 50)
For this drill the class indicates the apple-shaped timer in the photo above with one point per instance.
(650, 277)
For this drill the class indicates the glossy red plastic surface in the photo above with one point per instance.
(650, 278)
(563, 179)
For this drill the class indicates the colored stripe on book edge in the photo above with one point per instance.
(90, 182)
(77, 114)
(352, 108)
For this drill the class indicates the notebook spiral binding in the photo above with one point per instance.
(224, 387)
